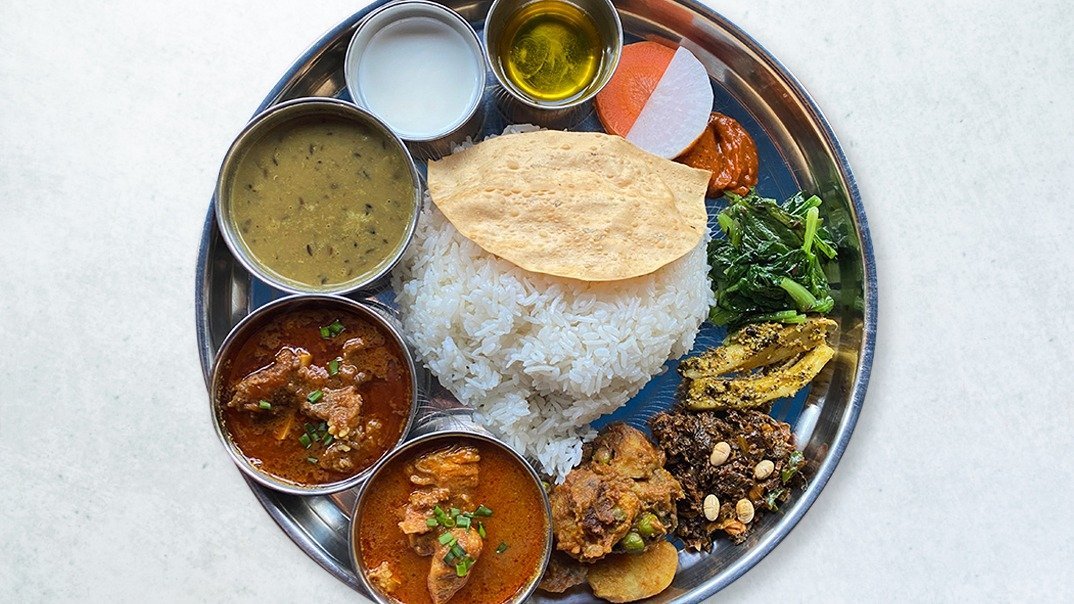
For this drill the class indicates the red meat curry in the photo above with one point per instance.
(316, 396)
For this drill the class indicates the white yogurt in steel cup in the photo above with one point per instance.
(419, 67)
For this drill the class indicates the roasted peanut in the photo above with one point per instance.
(763, 469)
(712, 508)
(744, 510)
(720, 452)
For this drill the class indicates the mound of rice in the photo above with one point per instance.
(540, 357)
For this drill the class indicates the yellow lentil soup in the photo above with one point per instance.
(322, 200)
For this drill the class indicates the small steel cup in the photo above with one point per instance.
(519, 106)
(431, 145)
(250, 325)
(446, 437)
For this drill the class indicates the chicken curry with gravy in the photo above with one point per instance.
(457, 519)
(316, 396)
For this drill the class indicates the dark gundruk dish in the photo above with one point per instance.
(734, 466)
(316, 396)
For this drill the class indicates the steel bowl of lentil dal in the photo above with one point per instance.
(317, 196)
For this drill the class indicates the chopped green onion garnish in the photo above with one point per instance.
(450, 558)
(327, 439)
(431, 522)
(446, 539)
(443, 518)
(333, 367)
(501, 548)
(482, 511)
(264, 404)
(311, 459)
(462, 521)
(315, 396)
(481, 530)
(325, 333)
(305, 440)
(457, 550)
(335, 328)
(463, 566)
(454, 512)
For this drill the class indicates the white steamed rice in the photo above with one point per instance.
(540, 357)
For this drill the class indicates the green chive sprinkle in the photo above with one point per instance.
(446, 539)
(264, 404)
(333, 367)
(335, 328)
(444, 519)
(305, 440)
(315, 396)
(454, 512)
(463, 566)
(501, 548)
(431, 522)
(457, 550)
(327, 439)
(325, 333)
(462, 522)
(481, 530)
(482, 511)
(439, 514)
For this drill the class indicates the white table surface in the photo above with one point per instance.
(956, 117)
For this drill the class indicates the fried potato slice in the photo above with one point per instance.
(630, 577)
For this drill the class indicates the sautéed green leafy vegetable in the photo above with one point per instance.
(769, 264)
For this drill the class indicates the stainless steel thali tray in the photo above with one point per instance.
(797, 150)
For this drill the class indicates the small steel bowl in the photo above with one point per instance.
(469, 122)
(262, 124)
(447, 437)
(248, 327)
(609, 27)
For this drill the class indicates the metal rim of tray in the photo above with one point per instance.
(757, 551)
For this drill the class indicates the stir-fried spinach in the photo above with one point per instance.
(768, 265)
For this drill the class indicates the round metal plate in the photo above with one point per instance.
(797, 150)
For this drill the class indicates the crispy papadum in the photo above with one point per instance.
(582, 205)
